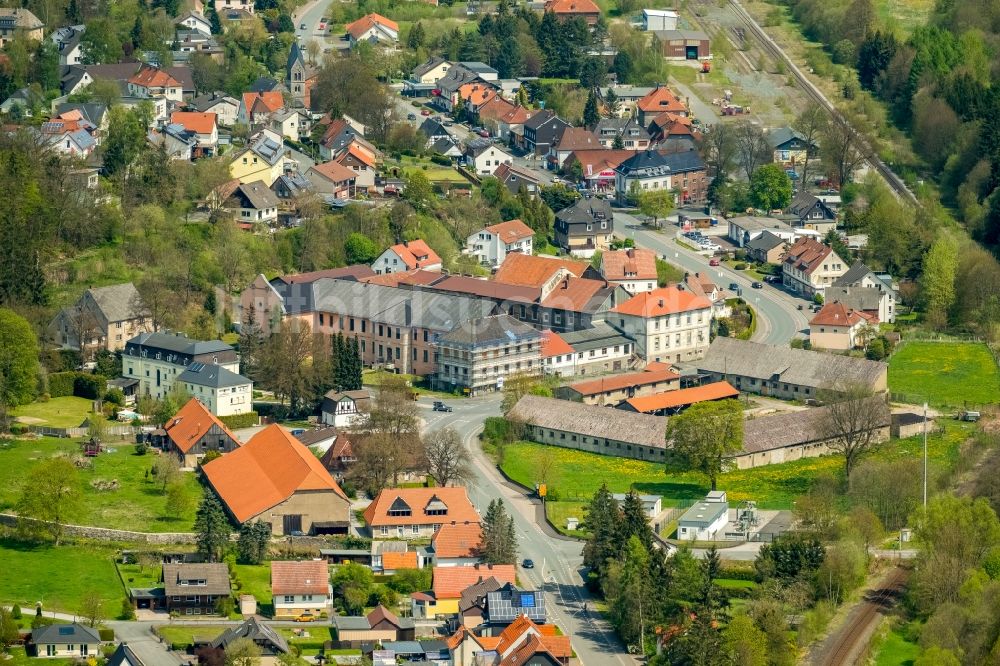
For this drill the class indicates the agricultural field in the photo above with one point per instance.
(58, 577)
(65, 412)
(137, 504)
(574, 475)
(945, 374)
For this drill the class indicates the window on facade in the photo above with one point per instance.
(289, 599)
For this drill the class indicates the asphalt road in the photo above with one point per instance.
(310, 14)
(558, 561)
(780, 319)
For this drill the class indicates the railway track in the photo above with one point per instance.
(890, 177)
(852, 639)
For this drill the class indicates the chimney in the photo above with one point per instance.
(661, 303)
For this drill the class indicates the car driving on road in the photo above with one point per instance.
(441, 407)
(528, 564)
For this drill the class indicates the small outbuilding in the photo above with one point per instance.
(706, 519)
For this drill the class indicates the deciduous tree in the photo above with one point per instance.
(167, 470)
(770, 188)
(51, 496)
(705, 435)
(18, 361)
(752, 148)
(852, 422)
(92, 608)
(242, 652)
(446, 459)
(938, 280)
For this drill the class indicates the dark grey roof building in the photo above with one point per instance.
(479, 355)
(211, 376)
(65, 634)
(505, 605)
(266, 638)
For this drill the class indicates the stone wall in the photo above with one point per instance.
(105, 534)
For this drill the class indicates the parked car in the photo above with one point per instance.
(774, 279)
(449, 123)
(411, 116)
(800, 306)
(305, 617)
(528, 564)
(757, 285)
(323, 22)
(441, 407)
(425, 112)
(713, 262)
(483, 133)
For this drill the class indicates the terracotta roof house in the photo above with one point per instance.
(492, 244)
(598, 166)
(457, 544)
(195, 589)
(672, 402)
(194, 431)
(669, 324)
(522, 643)
(256, 108)
(373, 28)
(634, 269)
(564, 9)
(153, 82)
(406, 256)
(617, 388)
(448, 583)
(659, 100)
(332, 178)
(380, 625)
(299, 587)
(537, 271)
(413, 513)
(571, 140)
(809, 267)
(264, 636)
(836, 326)
(274, 478)
(787, 373)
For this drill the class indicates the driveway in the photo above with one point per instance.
(140, 637)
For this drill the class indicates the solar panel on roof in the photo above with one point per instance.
(65, 631)
(527, 600)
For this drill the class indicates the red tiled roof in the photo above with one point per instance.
(806, 254)
(652, 403)
(382, 614)
(534, 271)
(836, 313)
(261, 102)
(416, 254)
(517, 116)
(460, 509)
(661, 99)
(572, 7)
(266, 471)
(461, 284)
(191, 423)
(202, 123)
(662, 301)
(496, 109)
(594, 162)
(631, 264)
(577, 138)
(358, 152)
(151, 77)
(573, 294)
(448, 582)
(553, 345)
(653, 374)
(305, 577)
(394, 561)
(363, 24)
(523, 630)
(334, 171)
(511, 231)
(457, 540)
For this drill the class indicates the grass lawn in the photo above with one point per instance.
(895, 650)
(375, 377)
(945, 373)
(134, 576)
(19, 658)
(184, 634)
(65, 412)
(255, 579)
(311, 644)
(137, 505)
(575, 475)
(58, 577)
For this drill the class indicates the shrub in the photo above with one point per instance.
(443, 160)
(15, 612)
(128, 613)
(141, 448)
(89, 386)
(235, 421)
(225, 606)
(115, 397)
(210, 456)
(740, 266)
(61, 384)
(108, 634)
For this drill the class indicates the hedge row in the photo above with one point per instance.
(235, 421)
(80, 384)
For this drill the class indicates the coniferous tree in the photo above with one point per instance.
(603, 520)
(634, 521)
(253, 540)
(353, 376)
(212, 528)
(250, 343)
(591, 116)
(499, 540)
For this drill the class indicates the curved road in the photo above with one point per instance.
(779, 318)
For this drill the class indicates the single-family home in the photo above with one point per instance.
(506, 604)
(633, 268)
(228, 7)
(783, 372)
(541, 130)
(378, 626)
(611, 390)
(407, 256)
(225, 108)
(472, 603)
(510, 126)
(156, 360)
(431, 71)
(414, 513)
(261, 159)
(195, 589)
(766, 248)
(479, 355)
(837, 326)
(69, 134)
(374, 29)
(491, 245)
(344, 408)
(360, 157)
(18, 22)
(809, 267)
(522, 643)
(669, 324)
(743, 229)
(585, 227)
(860, 287)
(253, 203)
(388, 557)
(682, 173)
(684, 44)
(332, 178)
(265, 637)
(809, 212)
(223, 392)
(256, 108)
(124, 655)
(194, 20)
(789, 147)
(659, 100)
(69, 41)
(194, 431)
(448, 583)
(274, 478)
(515, 177)
(705, 520)
(628, 133)
(456, 544)
(289, 123)
(102, 318)
(65, 641)
(483, 156)
(321, 437)
(151, 82)
(571, 140)
(300, 588)
(203, 126)
(567, 9)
